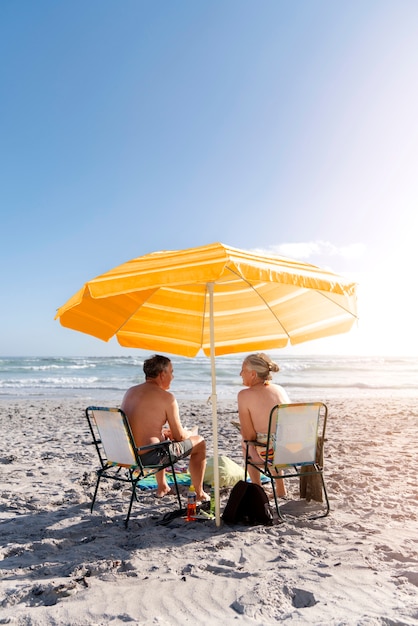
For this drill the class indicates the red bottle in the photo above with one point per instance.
(191, 504)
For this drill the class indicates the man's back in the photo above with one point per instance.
(148, 407)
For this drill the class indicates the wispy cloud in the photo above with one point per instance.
(309, 249)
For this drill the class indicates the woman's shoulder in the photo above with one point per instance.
(277, 386)
(243, 392)
(281, 393)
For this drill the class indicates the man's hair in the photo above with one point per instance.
(155, 365)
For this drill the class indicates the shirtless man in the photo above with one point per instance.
(255, 404)
(149, 406)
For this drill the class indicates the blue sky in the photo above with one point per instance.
(133, 126)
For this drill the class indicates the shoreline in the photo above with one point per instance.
(60, 564)
(305, 377)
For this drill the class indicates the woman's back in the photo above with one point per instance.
(255, 404)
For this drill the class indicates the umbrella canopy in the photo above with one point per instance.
(215, 298)
(160, 301)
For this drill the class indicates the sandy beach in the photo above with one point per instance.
(61, 565)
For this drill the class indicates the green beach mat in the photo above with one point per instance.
(150, 482)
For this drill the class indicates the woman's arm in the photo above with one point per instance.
(247, 429)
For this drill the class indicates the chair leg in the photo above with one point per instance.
(324, 490)
(95, 492)
(176, 486)
(325, 494)
(246, 463)
(327, 509)
(276, 502)
(326, 499)
(133, 495)
(133, 484)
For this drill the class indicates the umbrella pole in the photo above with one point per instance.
(214, 406)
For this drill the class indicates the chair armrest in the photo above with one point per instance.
(255, 443)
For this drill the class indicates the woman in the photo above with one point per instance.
(255, 404)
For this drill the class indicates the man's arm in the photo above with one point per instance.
(178, 433)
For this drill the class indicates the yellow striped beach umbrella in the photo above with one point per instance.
(214, 298)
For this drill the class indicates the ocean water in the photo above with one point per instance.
(105, 379)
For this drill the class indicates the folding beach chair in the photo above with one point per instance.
(119, 458)
(293, 448)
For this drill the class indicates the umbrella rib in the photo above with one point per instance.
(126, 320)
(261, 298)
(272, 312)
(324, 295)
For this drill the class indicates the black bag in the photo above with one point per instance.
(248, 504)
